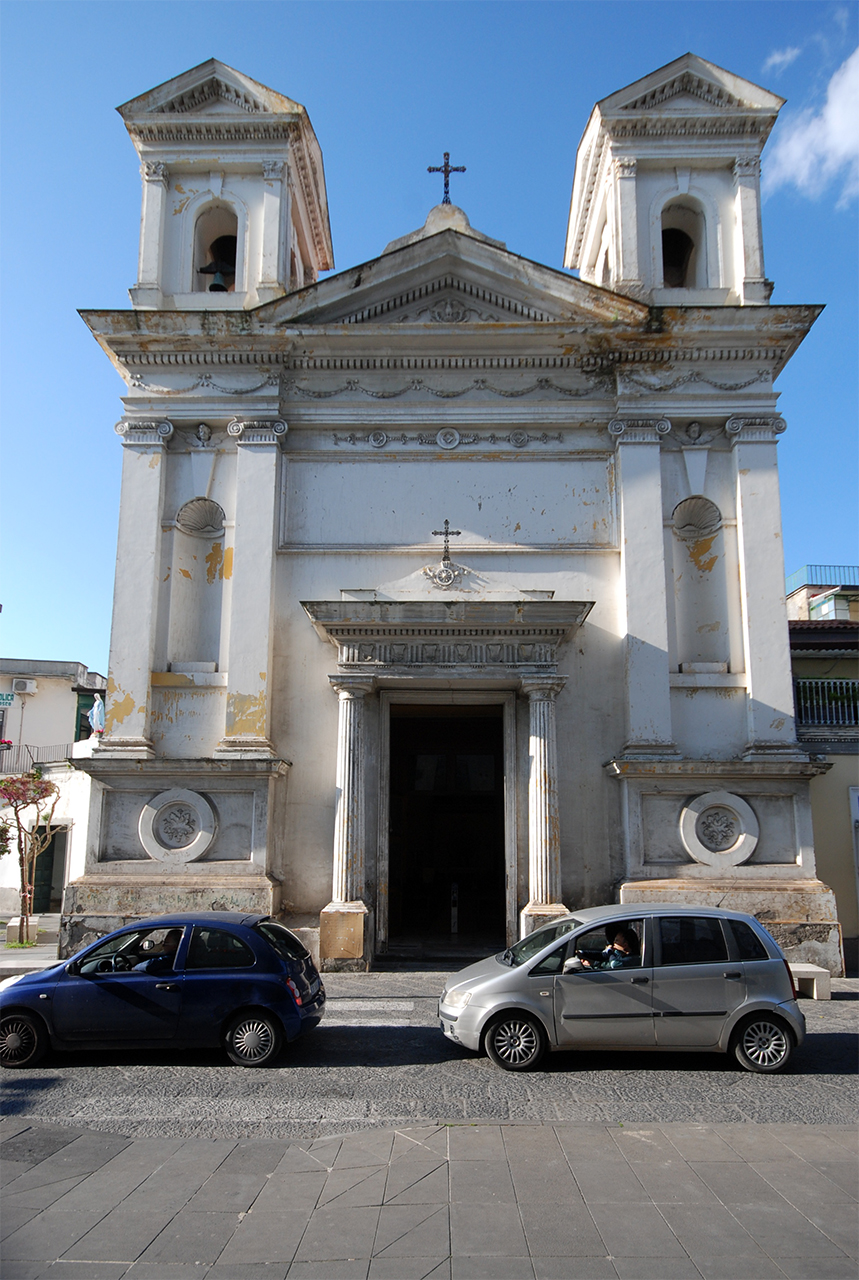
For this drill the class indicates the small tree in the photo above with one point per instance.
(33, 831)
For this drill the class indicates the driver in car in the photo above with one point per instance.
(622, 952)
(161, 961)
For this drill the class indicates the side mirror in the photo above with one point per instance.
(573, 965)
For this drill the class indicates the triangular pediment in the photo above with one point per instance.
(451, 279)
(690, 84)
(212, 88)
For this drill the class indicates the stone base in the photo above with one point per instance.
(344, 938)
(98, 904)
(800, 914)
(536, 914)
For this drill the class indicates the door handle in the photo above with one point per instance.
(733, 975)
(165, 986)
(640, 980)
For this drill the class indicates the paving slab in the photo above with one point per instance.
(557, 1201)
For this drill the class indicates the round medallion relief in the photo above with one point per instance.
(177, 826)
(719, 829)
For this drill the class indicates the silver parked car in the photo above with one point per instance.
(631, 977)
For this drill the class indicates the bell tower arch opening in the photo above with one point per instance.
(684, 251)
(215, 249)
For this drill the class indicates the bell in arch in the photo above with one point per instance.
(223, 264)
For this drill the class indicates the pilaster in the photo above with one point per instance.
(544, 837)
(765, 633)
(644, 604)
(626, 226)
(275, 217)
(138, 562)
(147, 291)
(747, 188)
(248, 710)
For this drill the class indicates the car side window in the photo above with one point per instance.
(692, 940)
(552, 963)
(217, 949)
(749, 945)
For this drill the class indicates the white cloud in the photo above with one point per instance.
(818, 147)
(781, 58)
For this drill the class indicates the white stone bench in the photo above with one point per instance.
(811, 980)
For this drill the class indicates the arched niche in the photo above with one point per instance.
(683, 241)
(700, 584)
(216, 239)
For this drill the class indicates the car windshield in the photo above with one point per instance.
(529, 947)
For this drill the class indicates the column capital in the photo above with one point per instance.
(154, 171)
(747, 167)
(258, 431)
(352, 686)
(625, 166)
(542, 688)
(147, 431)
(755, 430)
(272, 170)
(638, 430)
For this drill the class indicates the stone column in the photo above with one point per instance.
(626, 226)
(544, 837)
(248, 711)
(135, 598)
(765, 634)
(147, 291)
(642, 541)
(750, 268)
(343, 923)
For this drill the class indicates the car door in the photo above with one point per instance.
(695, 984)
(605, 1008)
(220, 976)
(93, 1001)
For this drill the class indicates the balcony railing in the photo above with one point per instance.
(826, 703)
(23, 758)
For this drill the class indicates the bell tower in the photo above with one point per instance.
(234, 209)
(666, 193)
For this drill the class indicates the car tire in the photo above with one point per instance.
(515, 1041)
(763, 1043)
(253, 1039)
(23, 1040)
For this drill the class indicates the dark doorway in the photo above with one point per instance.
(48, 880)
(446, 880)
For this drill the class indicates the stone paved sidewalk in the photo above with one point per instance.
(451, 1202)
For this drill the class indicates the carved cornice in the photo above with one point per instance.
(212, 90)
(144, 431)
(258, 431)
(638, 430)
(353, 386)
(487, 638)
(754, 430)
(445, 310)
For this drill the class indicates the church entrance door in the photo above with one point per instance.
(446, 877)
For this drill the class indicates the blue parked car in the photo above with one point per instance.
(183, 981)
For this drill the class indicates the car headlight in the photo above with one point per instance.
(456, 999)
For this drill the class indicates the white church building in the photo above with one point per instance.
(450, 588)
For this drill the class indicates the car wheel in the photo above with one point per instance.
(253, 1040)
(23, 1040)
(763, 1043)
(515, 1042)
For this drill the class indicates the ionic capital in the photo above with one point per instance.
(147, 431)
(754, 430)
(638, 430)
(351, 687)
(258, 431)
(542, 688)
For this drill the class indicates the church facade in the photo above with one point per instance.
(450, 592)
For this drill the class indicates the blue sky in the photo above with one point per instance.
(506, 88)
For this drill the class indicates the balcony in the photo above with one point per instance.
(827, 711)
(24, 758)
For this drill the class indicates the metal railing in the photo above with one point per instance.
(830, 703)
(23, 758)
